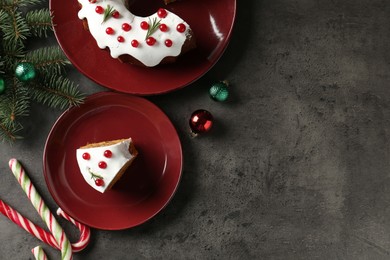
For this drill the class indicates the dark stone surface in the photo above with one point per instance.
(297, 165)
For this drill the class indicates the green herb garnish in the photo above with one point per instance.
(108, 13)
(153, 26)
(94, 175)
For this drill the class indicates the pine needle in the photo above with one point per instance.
(9, 133)
(12, 52)
(39, 22)
(8, 4)
(1, 65)
(14, 102)
(48, 60)
(14, 27)
(57, 92)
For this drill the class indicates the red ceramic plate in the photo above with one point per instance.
(148, 184)
(211, 21)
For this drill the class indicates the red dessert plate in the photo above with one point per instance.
(211, 22)
(148, 184)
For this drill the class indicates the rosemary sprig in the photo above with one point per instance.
(108, 12)
(153, 27)
(94, 175)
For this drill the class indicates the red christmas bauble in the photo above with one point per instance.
(201, 121)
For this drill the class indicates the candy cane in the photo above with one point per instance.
(85, 232)
(27, 225)
(42, 234)
(43, 210)
(38, 253)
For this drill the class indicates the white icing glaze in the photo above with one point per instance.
(120, 155)
(148, 55)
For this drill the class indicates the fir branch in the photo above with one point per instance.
(48, 87)
(9, 133)
(56, 92)
(11, 4)
(12, 52)
(153, 26)
(39, 22)
(20, 100)
(14, 27)
(14, 102)
(48, 60)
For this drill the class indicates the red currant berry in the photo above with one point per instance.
(126, 27)
(107, 154)
(109, 30)
(144, 25)
(168, 43)
(102, 165)
(134, 43)
(99, 9)
(162, 13)
(181, 27)
(150, 41)
(86, 156)
(120, 39)
(115, 14)
(92, 1)
(163, 27)
(99, 182)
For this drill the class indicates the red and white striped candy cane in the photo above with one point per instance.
(42, 234)
(43, 210)
(27, 225)
(85, 232)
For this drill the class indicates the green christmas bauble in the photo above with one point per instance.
(219, 91)
(25, 71)
(2, 86)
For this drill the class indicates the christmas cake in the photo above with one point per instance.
(148, 41)
(103, 164)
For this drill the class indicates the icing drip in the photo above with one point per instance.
(124, 33)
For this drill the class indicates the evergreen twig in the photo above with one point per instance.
(9, 4)
(49, 86)
(14, 27)
(48, 60)
(57, 92)
(39, 22)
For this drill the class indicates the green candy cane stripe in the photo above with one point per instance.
(38, 253)
(42, 209)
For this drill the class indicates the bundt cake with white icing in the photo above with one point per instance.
(157, 39)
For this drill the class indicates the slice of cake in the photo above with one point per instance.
(103, 164)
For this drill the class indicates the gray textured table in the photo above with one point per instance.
(297, 165)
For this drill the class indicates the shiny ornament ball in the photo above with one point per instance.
(2, 86)
(219, 91)
(25, 71)
(201, 121)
